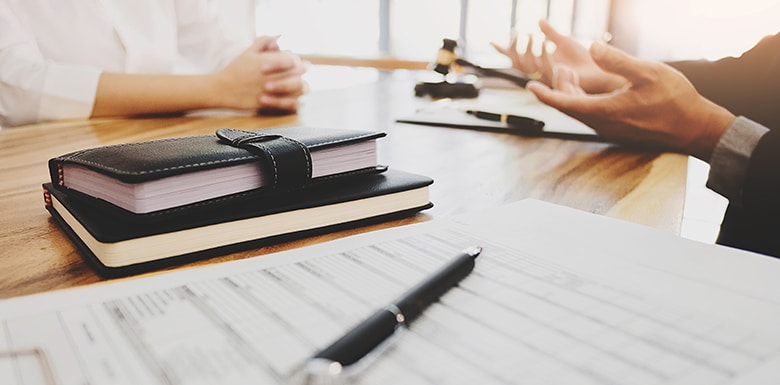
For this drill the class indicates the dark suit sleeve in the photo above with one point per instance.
(756, 224)
(748, 85)
(762, 186)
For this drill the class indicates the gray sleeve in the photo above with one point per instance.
(731, 157)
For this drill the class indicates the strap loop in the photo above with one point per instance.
(288, 158)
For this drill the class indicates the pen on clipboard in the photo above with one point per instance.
(371, 332)
(514, 121)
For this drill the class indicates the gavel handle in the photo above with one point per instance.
(510, 74)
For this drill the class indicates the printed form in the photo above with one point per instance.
(546, 304)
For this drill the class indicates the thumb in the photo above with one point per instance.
(550, 33)
(265, 43)
(616, 61)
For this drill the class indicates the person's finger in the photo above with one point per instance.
(577, 105)
(531, 62)
(510, 50)
(545, 63)
(500, 49)
(544, 58)
(513, 42)
(265, 43)
(530, 45)
(538, 88)
(566, 80)
(551, 33)
(288, 86)
(544, 93)
(284, 103)
(276, 62)
(616, 61)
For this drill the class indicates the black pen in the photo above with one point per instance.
(371, 332)
(513, 121)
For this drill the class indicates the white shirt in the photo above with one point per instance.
(53, 51)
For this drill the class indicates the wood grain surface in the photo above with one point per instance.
(472, 171)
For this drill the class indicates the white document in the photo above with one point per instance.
(452, 112)
(558, 296)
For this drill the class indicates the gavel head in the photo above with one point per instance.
(446, 56)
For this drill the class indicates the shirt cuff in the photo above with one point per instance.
(731, 157)
(68, 92)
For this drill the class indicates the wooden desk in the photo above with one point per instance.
(472, 171)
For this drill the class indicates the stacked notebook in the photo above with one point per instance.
(136, 207)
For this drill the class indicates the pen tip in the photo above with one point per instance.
(474, 251)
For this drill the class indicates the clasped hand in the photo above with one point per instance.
(263, 77)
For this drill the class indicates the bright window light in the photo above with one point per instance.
(708, 29)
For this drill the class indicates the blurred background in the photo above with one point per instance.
(412, 30)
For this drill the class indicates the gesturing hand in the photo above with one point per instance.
(658, 106)
(568, 52)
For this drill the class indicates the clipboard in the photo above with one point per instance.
(453, 113)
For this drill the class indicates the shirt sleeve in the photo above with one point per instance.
(731, 158)
(34, 89)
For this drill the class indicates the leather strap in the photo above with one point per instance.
(289, 159)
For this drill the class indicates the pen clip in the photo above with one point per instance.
(320, 371)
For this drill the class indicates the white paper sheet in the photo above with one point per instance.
(451, 112)
(558, 297)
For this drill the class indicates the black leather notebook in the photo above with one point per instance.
(155, 175)
(117, 242)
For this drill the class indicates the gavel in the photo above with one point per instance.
(446, 57)
(446, 84)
